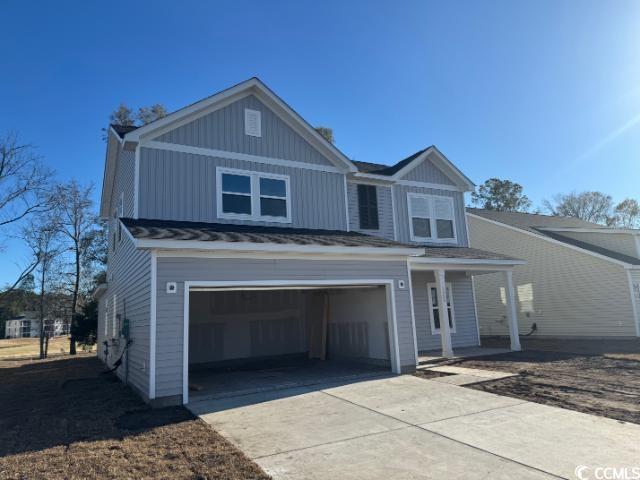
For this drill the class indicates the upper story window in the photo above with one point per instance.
(252, 122)
(431, 218)
(368, 207)
(253, 196)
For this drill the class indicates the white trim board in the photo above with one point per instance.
(320, 257)
(449, 287)
(273, 247)
(152, 326)
(210, 152)
(634, 304)
(555, 242)
(626, 231)
(253, 86)
(389, 285)
(255, 195)
(440, 161)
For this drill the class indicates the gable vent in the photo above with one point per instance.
(252, 123)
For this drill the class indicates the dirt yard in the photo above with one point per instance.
(30, 347)
(62, 419)
(596, 377)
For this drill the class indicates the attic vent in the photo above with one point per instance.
(252, 123)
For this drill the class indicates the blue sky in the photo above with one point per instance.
(545, 93)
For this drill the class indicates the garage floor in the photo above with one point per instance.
(407, 427)
(211, 383)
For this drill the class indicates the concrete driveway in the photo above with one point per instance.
(407, 427)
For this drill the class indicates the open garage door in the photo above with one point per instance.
(244, 338)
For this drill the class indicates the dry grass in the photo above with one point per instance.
(63, 419)
(30, 347)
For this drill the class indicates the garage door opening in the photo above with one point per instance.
(244, 340)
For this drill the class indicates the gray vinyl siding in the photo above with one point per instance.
(463, 311)
(429, 173)
(402, 213)
(128, 278)
(170, 306)
(635, 291)
(573, 293)
(223, 129)
(130, 275)
(100, 332)
(385, 211)
(182, 186)
(617, 242)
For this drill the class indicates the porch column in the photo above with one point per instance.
(512, 317)
(445, 331)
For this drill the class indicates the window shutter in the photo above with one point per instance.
(368, 207)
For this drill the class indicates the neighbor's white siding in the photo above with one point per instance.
(617, 242)
(565, 292)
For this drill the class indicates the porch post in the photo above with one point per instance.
(445, 331)
(512, 317)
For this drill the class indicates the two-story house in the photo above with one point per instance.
(581, 280)
(239, 235)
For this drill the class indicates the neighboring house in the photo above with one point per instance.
(238, 232)
(581, 279)
(27, 324)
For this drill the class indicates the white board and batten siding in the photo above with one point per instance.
(567, 293)
(170, 307)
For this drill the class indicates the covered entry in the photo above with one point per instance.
(245, 337)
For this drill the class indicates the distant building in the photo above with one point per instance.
(27, 324)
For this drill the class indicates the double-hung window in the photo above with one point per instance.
(253, 196)
(431, 218)
(434, 308)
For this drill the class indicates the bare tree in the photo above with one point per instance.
(590, 206)
(23, 180)
(627, 214)
(42, 234)
(77, 224)
(149, 114)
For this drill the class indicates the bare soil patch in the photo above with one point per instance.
(584, 376)
(64, 419)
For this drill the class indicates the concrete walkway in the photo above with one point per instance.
(407, 427)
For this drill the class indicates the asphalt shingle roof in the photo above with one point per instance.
(386, 170)
(122, 130)
(223, 232)
(536, 223)
(149, 229)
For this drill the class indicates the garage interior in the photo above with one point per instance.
(252, 340)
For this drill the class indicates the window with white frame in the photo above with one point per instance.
(434, 308)
(250, 195)
(431, 218)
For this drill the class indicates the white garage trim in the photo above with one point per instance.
(249, 284)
